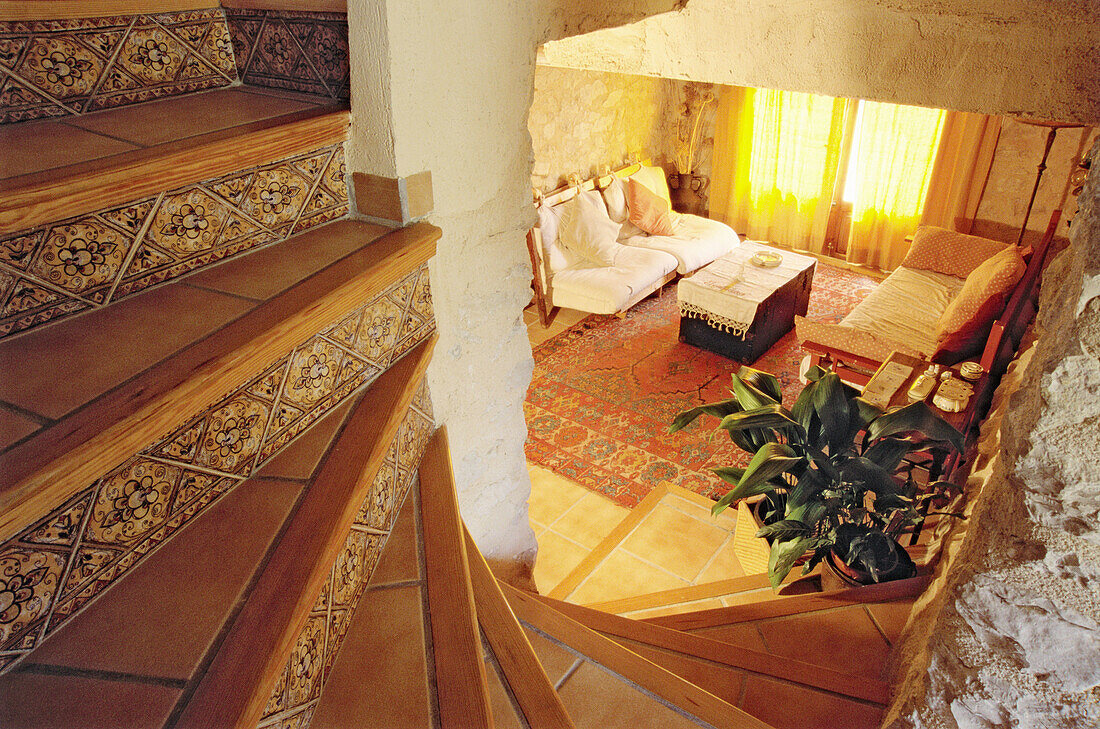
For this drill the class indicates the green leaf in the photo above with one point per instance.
(866, 411)
(831, 405)
(748, 394)
(803, 413)
(764, 382)
(717, 409)
(729, 474)
(770, 461)
(871, 476)
(915, 418)
(782, 558)
(769, 416)
(889, 452)
(785, 529)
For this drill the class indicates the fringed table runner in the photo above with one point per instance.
(727, 292)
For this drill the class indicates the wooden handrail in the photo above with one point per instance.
(55, 463)
(745, 659)
(541, 705)
(539, 613)
(241, 676)
(790, 605)
(462, 686)
(44, 197)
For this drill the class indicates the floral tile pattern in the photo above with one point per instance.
(93, 260)
(299, 688)
(61, 67)
(300, 51)
(54, 567)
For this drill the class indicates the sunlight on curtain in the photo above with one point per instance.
(897, 148)
(777, 152)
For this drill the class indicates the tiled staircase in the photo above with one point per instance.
(212, 409)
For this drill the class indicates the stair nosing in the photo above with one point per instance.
(39, 198)
(360, 274)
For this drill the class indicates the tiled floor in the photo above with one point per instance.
(677, 544)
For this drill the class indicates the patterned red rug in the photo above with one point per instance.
(604, 392)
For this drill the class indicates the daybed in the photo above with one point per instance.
(603, 245)
(954, 297)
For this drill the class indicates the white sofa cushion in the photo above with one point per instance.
(697, 242)
(586, 229)
(614, 196)
(906, 307)
(607, 289)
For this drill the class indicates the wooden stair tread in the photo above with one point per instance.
(59, 168)
(461, 682)
(735, 656)
(386, 646)
(117, 378)
(237, 685)
(537, 612)
(71, 144)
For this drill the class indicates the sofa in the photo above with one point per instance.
(952, 298)
(603, 245)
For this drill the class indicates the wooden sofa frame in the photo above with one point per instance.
(1004, 336)
(534, 240)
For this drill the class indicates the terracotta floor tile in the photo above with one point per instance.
(180, 117)
(286, 264)
(845, 640)
(891, 616)
(788, 706)
(505, 714)
(13, 427)
(103, 348)
(67, 702)
(551, 495)
(159, 619)
(726, 519)
(380, 676)
(400, 558)
(556, 558)
(724, 565)
(301, 458)
(45, 145)
(555, 659)
(596, 699)
(623, 575)
(589, 520)
(671, 539)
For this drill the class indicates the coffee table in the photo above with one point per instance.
(739, 310)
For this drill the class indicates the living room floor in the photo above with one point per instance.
(676, 544)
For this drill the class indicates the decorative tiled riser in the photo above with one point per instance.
(53, 568)
(93, 260)
(299, 687)
(62, 67)
(292, 50)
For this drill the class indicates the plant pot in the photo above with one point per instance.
(839, 575)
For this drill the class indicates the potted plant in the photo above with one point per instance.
(833, 469)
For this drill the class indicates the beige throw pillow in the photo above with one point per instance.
(587, 231)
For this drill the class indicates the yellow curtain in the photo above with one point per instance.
(897, 146)
(961, 170)
(775, 162)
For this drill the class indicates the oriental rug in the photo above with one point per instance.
(605, 391)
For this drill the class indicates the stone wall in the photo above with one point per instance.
(589, 122)
(1009, 632)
